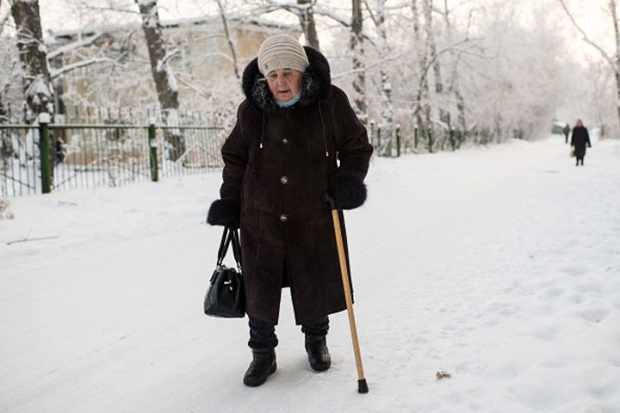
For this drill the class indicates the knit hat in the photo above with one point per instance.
(281, 52)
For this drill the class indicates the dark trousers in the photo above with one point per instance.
(579, 159)
(263, 334)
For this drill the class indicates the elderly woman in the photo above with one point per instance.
(296, 139)
(579, 140)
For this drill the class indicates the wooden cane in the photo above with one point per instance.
(362, 386)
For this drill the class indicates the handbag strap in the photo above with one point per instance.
(236, 247)
(230, 235)
(221, 252)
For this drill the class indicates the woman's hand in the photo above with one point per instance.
(225, 212)
(347, 189)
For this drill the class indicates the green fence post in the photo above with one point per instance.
(44, 152)
(430, 140)
(153, 153)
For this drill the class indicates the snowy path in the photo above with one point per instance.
(500, 265)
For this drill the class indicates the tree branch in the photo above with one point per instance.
(77, 65)
(228, 39)
(73, 46)
(587, 39)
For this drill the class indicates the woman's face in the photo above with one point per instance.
(284, 83)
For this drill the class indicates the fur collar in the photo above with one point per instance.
(315, 84)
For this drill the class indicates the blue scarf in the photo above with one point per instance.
(289, 102)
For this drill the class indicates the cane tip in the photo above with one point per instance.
(362, 386)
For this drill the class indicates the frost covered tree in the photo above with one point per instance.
(231, 46)
(386, 85)
(302, 10)
(479, 66)
(38, 89)
(442, 117)
(9, 76)
(454, 84)
(308, 23)
(612, 58)
(165, 82)
(513, 91)
(357, 53)
(422, 110)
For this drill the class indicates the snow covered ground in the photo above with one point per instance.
(499, 265)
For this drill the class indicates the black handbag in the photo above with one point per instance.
(225, 296)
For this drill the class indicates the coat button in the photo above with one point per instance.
(285, 141)
(284, 180)
(283, 217)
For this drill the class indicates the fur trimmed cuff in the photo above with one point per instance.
(348, 190)
(225, 212)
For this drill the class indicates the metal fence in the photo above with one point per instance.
(48, 157)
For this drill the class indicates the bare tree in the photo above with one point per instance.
(38, 89)
(447, 88)
(5, 82)
(455, 87)
(165, 82)
(440, 95)
(613, 60)
(302, 9)
(357, 51)
(386, 87)
(431, 44)
(8, 76)
(422, 110)
(233, 53)
(308, 24)
(387, 107)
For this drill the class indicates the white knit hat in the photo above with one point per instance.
(281, 52)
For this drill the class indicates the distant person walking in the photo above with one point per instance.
(579, 140)
(566, 132)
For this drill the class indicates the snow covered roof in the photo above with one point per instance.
(246, 23)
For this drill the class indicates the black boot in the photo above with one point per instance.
(318, 354)
(263, 364)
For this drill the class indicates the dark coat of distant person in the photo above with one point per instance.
(580, 139)
(566, 131)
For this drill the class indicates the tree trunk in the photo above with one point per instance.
(440, 96)
(308, 24)
(228, 39)
(386, 86)
(427, 6)
(614, 15)
(454, 87)
(357, 51)
(38, 90)
(165, 83)
(4, 114)
(422, 109)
